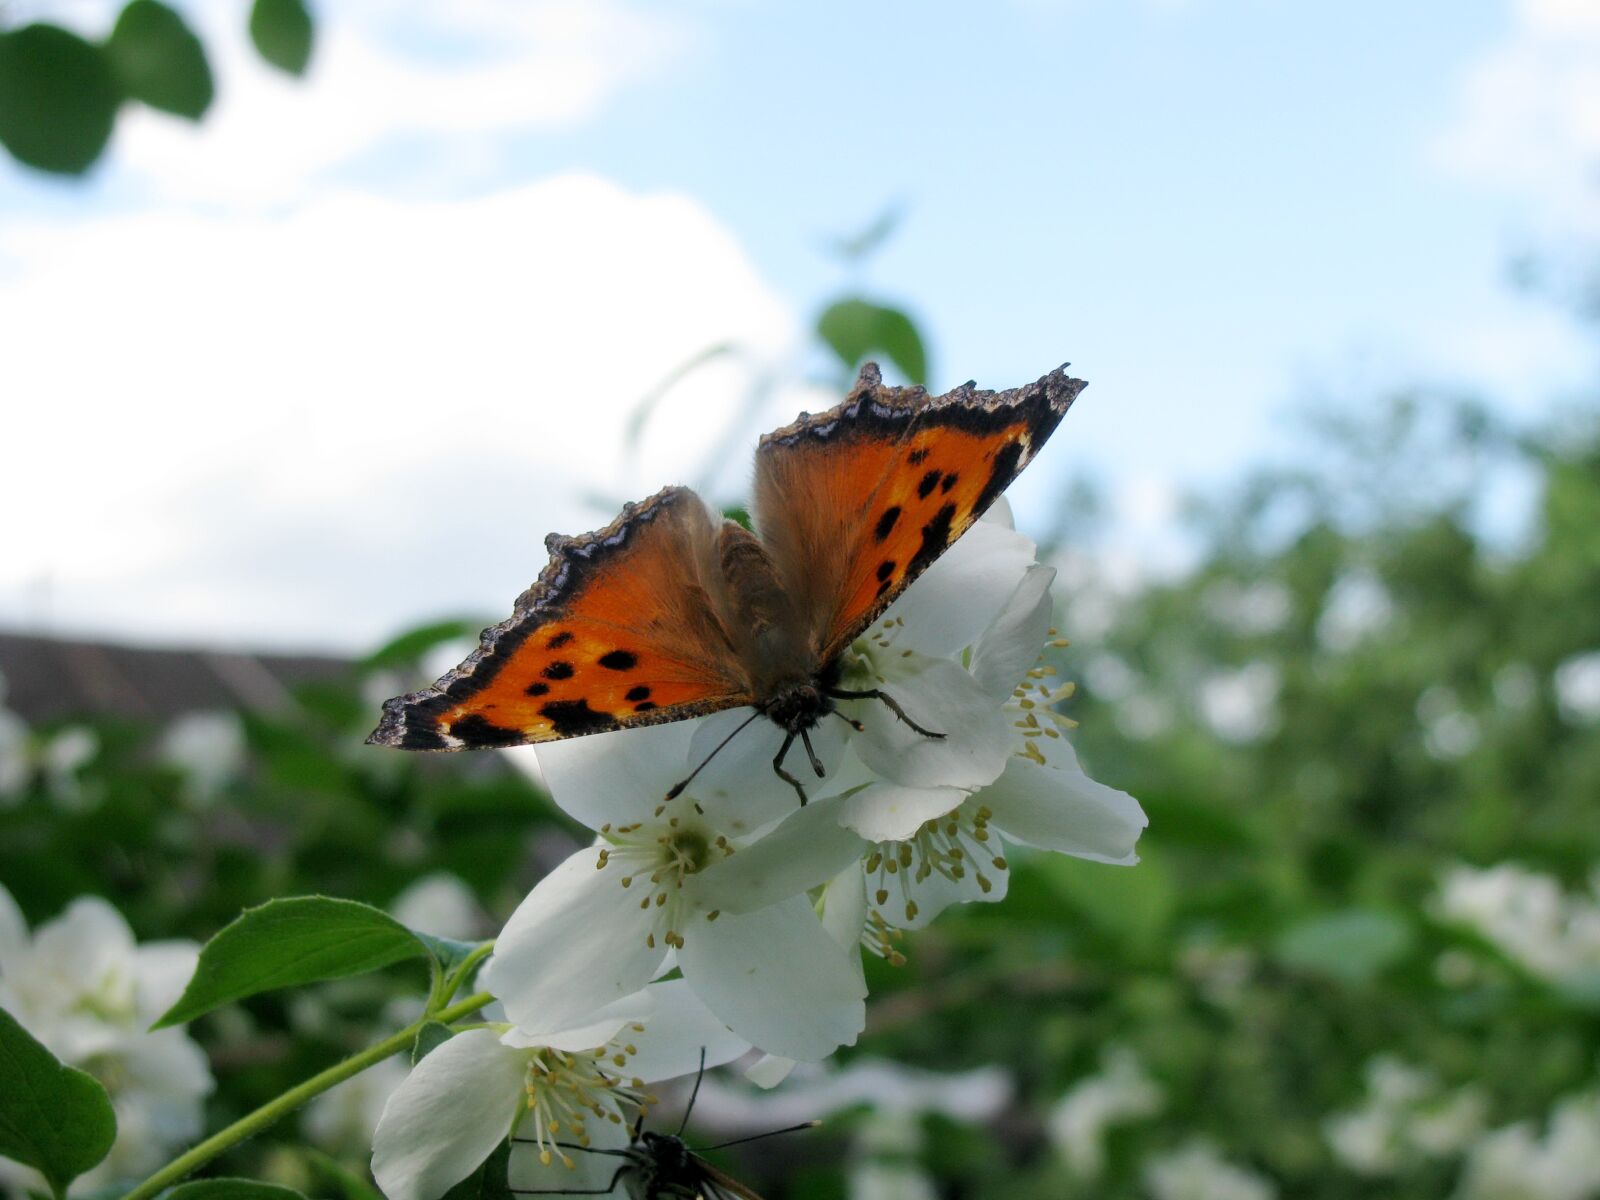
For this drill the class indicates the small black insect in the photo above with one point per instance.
(662, 1166)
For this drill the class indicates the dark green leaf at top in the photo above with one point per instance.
(54, 1118)
(158, 60)
(856, 329)
(281, 30)
(58, 99)
(287, 943)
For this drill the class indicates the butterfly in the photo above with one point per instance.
(669, 612)
(662, 1166)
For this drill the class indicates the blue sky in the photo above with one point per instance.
(1211, 207)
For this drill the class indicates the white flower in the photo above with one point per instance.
(1407, 1116)
(1577, 684)
(934, 845)
(582, 1086)
(208, 748)
(1527, 916)
(83, 987)
(602, 924)
(1119, 1093)
(343, 1119)
(1515, 1163)
(439, 904)
(1197, 1171)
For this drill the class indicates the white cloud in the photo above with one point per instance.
(318, 425)
(422, 90)
(1529, 115)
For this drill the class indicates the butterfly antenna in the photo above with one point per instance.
(816, 763)
(756, 1137)
(695, 1094)
(574, 1146)
(677, 789)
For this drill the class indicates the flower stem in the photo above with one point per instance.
(281, 1106)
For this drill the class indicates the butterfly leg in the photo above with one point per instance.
(850, 721)
(777, 765)
(816, 763)
(892, 704)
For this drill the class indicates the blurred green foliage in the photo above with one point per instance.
(60, 92)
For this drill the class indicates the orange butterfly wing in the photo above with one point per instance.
(621, 629)
(856, 503)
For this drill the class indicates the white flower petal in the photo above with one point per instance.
(589, 1171)
(1058, 807)
(940, 696)
(164, 970)
(936, 893)
(999, 513)
(598, 1028)
(801, 853)
(844, 908)
(1008, 648)
(890, 812)
(769, 1070)
(677, 1030)
(577, 942)
(616, 777)
(963, 591)
(454, 1108)
(738, 790)
(778, 979)
(88, 941)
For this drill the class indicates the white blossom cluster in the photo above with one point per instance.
(1527, 915)
(84, 988)
(730, 919)
(1406, 1117)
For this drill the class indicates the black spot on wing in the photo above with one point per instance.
(935, 537)
(948, 482)
(477, 730)
(929, 482)
(536, 688)
(638, 693)
(885, 569)
(1001, 473)
(619, 660)
(917, 457)
(557, 670)
(421, 738)
(644, 707)
(886, 522)
(560, 640)
(572, 718)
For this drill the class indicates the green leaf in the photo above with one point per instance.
(281, 30)
(449, 952)
(286, 943)
(55, 1118)
(1353, 945)
(856, 328)
(159, 61)
(488, 1182)
(58, 99)
(429, 1038)
(409, 647)
(232, 1189)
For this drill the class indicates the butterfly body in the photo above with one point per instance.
(670, 612)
